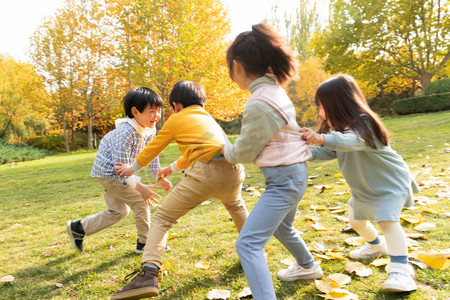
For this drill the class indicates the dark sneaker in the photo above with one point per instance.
(75, 237)
(143, 285)
(140, 248)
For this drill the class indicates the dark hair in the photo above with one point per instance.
(346, 108)
(263, 51)
(187, 93)
(140, 98)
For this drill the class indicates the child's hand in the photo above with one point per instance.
(312, 137)
(123, 169)
(147, 193)
(164, 183)
(222, 149)
(164, 172)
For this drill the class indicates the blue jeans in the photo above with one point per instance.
(273, 214)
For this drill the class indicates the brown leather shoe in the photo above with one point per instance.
(144, 285)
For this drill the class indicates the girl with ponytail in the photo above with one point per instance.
(261, 61)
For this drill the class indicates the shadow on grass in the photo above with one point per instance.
(27, 281)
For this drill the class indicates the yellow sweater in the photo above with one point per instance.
(198, 136)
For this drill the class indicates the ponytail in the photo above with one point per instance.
(263, 51)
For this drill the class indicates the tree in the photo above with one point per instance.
(22, 99)
(162, 41)
(380, 40)
(302, 91)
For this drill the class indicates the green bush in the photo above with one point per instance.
(438, 86)
(52, 142)
(19, 152)
(231, 127)
(422, 104)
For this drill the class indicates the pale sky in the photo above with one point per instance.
(20, 18)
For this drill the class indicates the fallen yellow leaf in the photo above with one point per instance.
(435, 260)
(336, 255)
(340, 294)
(318, 207)
(416, 219)
(358, 268)
(355, 241)
(340, 279)
(324, 286)
(203, 264)
(380, 262)
(172, 235)
(319, 227)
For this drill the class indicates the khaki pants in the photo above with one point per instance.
(118, 201)
(216, 179)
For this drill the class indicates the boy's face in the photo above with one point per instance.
(148, 117)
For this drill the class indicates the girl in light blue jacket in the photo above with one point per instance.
(380, 181)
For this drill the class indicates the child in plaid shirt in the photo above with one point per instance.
(143, 110)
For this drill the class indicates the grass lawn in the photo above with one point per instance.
(38, 197)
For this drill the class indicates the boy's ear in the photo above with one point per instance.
(134, 111)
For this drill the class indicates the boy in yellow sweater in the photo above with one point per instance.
(207, 175)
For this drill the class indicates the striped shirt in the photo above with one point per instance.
(122, 144)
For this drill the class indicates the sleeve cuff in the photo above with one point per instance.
(136, 167)
(133, 181)
(174, 167)
(330, 141)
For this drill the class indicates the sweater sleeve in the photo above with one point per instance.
(344, 142)
(320, 153)
(259, 123)
(156, 146)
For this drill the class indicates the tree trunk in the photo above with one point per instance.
(425, 79)
(6, 128)
(66, 138)
(90, 135)
(74, 137)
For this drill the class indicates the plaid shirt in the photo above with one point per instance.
(122, 144)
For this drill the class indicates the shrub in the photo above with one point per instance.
(52, 142)
(438, 86)
(19, 152)
(426, 103)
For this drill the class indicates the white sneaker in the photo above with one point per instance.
(401, 278)
(295, 272)
(370, 250)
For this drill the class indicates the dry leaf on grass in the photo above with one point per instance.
(342, 219)
(336, 255)
(318, 207)
(431, 209)
(341, 294)
(203, 264)
(288, 261)
(59, 285)
(319, 227)
(416, 219)
(324, 246)
(436, 259)
(218, 294)
(358, 268)
(245, 293)
(425, 227)
(172, 235)
(417, 236)
(355, 241)
(380, 262)
(7, 278)
(340, 279)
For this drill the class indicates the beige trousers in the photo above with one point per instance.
(216, 179)
(119, 200)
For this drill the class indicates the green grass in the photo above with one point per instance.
(38, 197)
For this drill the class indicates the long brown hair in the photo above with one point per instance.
(263, 51)
(346, 108)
